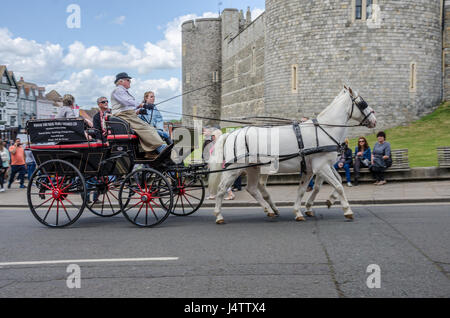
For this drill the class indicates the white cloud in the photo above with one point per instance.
(35, 61)
(165, 54)
(256, 12)
(119, 20)
(86, 86)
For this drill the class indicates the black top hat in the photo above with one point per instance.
(121, 76)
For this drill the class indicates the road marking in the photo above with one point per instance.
(79, 261)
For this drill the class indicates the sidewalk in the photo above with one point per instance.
(284, 195)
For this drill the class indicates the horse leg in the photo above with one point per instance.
(227, 180)
(253, 176)
(318, 184)
(328, 175)
(300, 193)
(334, 196)
(262, 188)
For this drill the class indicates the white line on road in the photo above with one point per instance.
(112, 260)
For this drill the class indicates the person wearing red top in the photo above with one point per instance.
(17, 163)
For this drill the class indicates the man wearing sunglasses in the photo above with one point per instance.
(100, 117)
(124, 106)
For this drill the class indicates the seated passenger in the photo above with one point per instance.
(151, 115)
(125, 106)
(100, 117)
(66, 110)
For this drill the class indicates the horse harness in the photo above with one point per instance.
(359, 102)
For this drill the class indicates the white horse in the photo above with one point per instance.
(259, 145)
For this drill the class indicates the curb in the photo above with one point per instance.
(291, 203)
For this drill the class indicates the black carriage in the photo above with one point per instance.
(75, 172)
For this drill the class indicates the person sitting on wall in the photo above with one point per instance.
(125, 106)
(345, 162)
(151, 115)
(362, 157)
(381, 158)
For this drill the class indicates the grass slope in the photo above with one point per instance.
(421, 137)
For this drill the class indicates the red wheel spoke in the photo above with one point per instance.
(48, 211)
(44, 185)
(140, 209)
(43, 203)
(188, 201)
(154, 213)
(192, 196)
(51, 182)
(65, 210)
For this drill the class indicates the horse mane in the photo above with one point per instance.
(336, 100)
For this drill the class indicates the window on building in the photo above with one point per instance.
(253, 68)
(188, 78)
(294, 78)
(215, 76)
(369, 9)
(358, 9)
(413, 77)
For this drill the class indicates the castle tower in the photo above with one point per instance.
(390, 53)
(201, 60)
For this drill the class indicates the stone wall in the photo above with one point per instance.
(330, 50)
(201, 66)
(243, 72)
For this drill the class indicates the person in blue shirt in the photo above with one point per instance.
(345, 162)
(363, 157)
(153, 117)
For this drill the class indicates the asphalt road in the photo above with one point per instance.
(250, 256)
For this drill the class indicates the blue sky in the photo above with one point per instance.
(136, 36)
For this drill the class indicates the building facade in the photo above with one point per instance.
(8, 102)
(295, 58)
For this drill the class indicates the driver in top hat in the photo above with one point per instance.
(124, 106)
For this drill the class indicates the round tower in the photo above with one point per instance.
(390, 53)
(201, 64)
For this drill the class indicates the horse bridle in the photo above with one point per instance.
(362, 105)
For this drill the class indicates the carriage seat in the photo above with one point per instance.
(119, 129)
(62, 146)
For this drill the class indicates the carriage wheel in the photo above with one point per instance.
(56, 193)
(105, 191)
(143, 189)
(188, 191)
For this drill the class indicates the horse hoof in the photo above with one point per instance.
(300, 219)
(309, 213)
(271, 215)
(220, 222)
(349, 217)
(329, 204)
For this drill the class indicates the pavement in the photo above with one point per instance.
(284, 195)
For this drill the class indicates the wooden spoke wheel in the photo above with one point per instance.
(140, 196)
(104, 192)
(188, 191)
(57, 193)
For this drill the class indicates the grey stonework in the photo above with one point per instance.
(329, 49)
(201, 58)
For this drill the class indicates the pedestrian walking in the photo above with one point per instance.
(30, 162)
(4, 165)
(17, 154)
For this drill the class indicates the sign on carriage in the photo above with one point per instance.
(46, 131)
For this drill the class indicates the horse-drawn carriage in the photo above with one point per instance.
(72, 168)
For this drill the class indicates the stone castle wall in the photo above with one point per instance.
(331, 50)
(243, 72)
(397, 66)
(201, 63)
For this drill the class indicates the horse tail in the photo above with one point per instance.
(216, 163)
